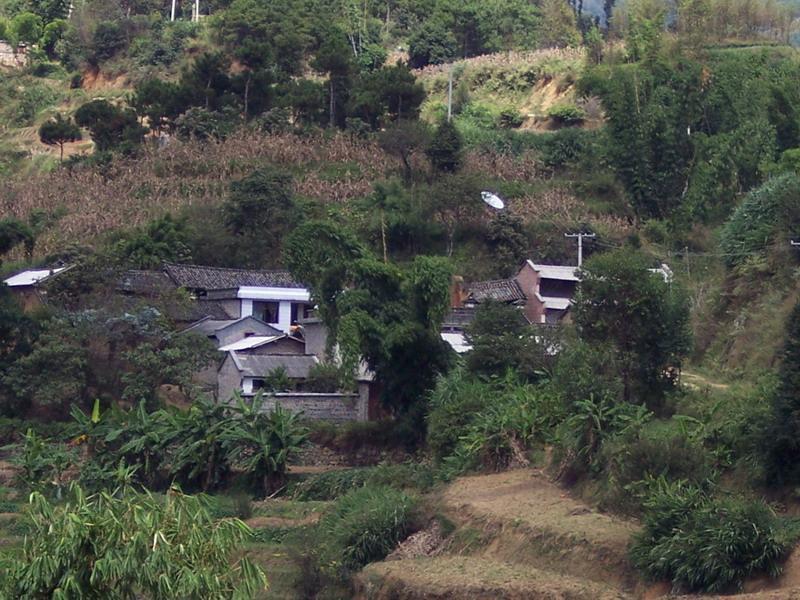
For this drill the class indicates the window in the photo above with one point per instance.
(300, 311)
(266, 311)
(248, 334)
(258, 384)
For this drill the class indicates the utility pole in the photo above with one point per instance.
(580, 237)
(172, 14)
(450, 95)
(793, 243)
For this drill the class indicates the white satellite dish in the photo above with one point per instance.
(493, 200)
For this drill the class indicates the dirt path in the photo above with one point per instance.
(698, 381)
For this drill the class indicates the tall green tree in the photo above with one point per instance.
(58, 131)
(644, 318)
(445, 148)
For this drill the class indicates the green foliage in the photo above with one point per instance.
(277, 380)
(42, 463)
(364, 526)
(325, 378)
(454, 401)
(333, 484)
(260, 210)
(702, 543)
(644, 318)
(27, 27)
(109, 38)
(445, 148)
(567, 114)
(163, 240)
(261, 443)
(508, 243)
(431, 44)
(781, 436)
(109, 545)
(765, 211)
(502, 340)
(112, 128)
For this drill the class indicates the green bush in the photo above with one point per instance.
(753, 225)
(567, 114)
(454, 402)
(707, 544)
(365, 525)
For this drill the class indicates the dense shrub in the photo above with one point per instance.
(754, 223)
(703, 543)
(365, 525)
(453, 404)
(567, 114)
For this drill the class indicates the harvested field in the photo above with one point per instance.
(469, 577)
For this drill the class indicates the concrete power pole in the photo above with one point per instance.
(450, 95)
(580, 237)
(172, 14)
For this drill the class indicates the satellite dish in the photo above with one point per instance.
(493, 200)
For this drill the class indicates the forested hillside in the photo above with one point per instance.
(347, 148)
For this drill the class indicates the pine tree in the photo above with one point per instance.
(444, 151)
(783, 434)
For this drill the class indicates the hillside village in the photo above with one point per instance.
(399, 300)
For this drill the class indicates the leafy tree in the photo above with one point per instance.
(445, 148)
(558, 25)
(206, 82)
(161, 102)
(402, 139)
(51, 10)
(27, 27)
(306, 99)
(114, 545)
(112, 128)
(53, 33)
(595, 45)
(781, 436)
(162, 240)
(109, 38)
(645, 319)
(502, 340)
(199, 123)
(335, 59)
(57, 370)
(261, 210)
(508, 242)
(18, 332)
(14, 232)
(391, 93)
(58, 131)
(431, 44)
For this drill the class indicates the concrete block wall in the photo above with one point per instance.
(335, 408)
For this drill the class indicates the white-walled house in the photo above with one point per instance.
(273, 297)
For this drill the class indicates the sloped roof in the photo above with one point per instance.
(458, 318)
(210, 325)
(145, 283)
(260, 365)
(562, 272)
(254, 341)
(457, 342)
(502, 290)
(218, 278)
(32, 276)
(556, 303)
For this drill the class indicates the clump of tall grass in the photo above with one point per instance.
(704, 543)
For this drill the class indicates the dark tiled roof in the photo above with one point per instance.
(260, 365)
(145, 283)
(502, 290)
(194, 311)
(218, 278)
(210, 326)
(458, 318)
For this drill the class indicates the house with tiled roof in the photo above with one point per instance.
(273, 297)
